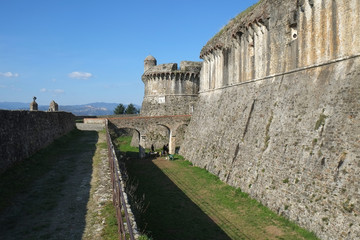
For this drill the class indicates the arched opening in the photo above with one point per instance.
(158, 136)
(129, 142)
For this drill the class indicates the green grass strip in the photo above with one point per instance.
(180, 196)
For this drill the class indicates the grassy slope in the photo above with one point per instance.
(182, 197)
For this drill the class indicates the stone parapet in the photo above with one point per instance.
(22, 133)
(268, 40)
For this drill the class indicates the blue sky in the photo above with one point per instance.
(83, 51)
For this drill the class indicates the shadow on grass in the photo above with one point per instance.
(170, 214)
(46, 195)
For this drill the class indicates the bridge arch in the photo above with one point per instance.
(141, 138)
(176, 136)
(145, 124)
(171, 137)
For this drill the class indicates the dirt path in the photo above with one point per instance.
(65, 203)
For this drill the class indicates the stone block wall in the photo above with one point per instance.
(292, 142)
(278, 113)
(280, 36)
(168, 105)
(22, 133)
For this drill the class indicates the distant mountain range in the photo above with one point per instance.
(91, 109)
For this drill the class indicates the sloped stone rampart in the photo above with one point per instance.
(290, 141)
(278, 111)
(22, 133)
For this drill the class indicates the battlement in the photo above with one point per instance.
(266, 41)
(168, 71)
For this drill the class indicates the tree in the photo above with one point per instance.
(131, 109)
(120, 109)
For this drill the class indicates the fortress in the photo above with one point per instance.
(273, 109)
(276, 109)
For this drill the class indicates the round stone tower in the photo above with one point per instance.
(149, 62)
(170, 90)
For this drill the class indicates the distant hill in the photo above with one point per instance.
(90, 109)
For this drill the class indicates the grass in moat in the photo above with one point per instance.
(187, 202)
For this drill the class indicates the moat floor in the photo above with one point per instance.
(186, 202)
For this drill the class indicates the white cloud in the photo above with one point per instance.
(54, 91)
(9, 74)
(58, 91)
(80, 75)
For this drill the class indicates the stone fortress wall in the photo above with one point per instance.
(22, 133)
(281, 36)
(278, 113)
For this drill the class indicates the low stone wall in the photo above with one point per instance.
(94, 120)
(22, 133)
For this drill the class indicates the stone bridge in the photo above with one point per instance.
(142, 125)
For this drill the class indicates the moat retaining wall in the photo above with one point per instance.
(22, 133)
(292, 142)
(278, 111)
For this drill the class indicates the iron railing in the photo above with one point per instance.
(125, 227)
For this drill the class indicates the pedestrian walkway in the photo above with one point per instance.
(59, 192)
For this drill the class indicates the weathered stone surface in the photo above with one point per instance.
(292, 142)
(22, 133)
(54, 107)
(90, 126)
(279, 36)
(33, 105)
(278, 111)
